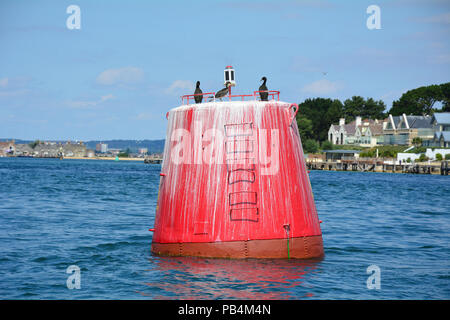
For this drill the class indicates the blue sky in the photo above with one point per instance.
(117, 76)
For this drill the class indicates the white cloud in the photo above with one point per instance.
(15, 93)
(180, 87)
(81, 104)
(145, 116)
(89, 103)
(125, 75)
(320, 87)
(107, 97)
(439, 18)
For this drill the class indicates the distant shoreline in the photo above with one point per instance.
(104, 158)
(84, 158)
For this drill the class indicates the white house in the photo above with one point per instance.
(366, 133)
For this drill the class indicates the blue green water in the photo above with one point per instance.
(96, 215)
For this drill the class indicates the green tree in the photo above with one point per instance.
(438, 157)
(367, 109)
(311, 146)
(422, 157)
(34, 144)
(374, 109)
(421, 100)
(326, 145)
(445, 88)
(322, 113)
(353, 107)
(417, 142)
(428, 96)
(305, 127)
(447, 156)
(125, 154)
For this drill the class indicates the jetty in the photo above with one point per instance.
(153, 160)
(380, 165)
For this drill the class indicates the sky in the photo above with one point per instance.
(130, 61)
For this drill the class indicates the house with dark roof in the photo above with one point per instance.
(360, 132)
(441, 139)
(441, 121)
(401, 130)
(441, 125)
(24, 150)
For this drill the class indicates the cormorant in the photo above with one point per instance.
(198, 99)
(263, 87)
(223, 92)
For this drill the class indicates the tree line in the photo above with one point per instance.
(316, 115)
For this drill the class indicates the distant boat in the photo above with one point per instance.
(117, 158)
(153, 160)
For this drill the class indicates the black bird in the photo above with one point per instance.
(198, 99)
(263, 87)
(223, 92)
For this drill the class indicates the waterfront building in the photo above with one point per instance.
(24, 150)
(441, 139)
(365, 133)
(114, 152)
(74, 150)
(90, 153)
(143, 150)
(47, 150)
(53, 150)
(441, 121)
(101, 147)
(338, 155)
(441, 126)
(7, 148)
(401, 130)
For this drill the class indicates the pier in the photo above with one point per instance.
(153, 160)
(380, 165)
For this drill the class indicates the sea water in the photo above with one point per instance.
(95, 215)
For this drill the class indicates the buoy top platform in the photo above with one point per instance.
(234, 182)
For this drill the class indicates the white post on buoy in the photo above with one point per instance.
(228, 76)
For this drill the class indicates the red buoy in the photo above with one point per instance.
(234, 184)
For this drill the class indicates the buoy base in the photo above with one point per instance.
(299, 248)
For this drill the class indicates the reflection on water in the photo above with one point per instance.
(198, 278)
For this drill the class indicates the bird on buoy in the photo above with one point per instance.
(198, 99)
(263, 87)
(223, 92)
